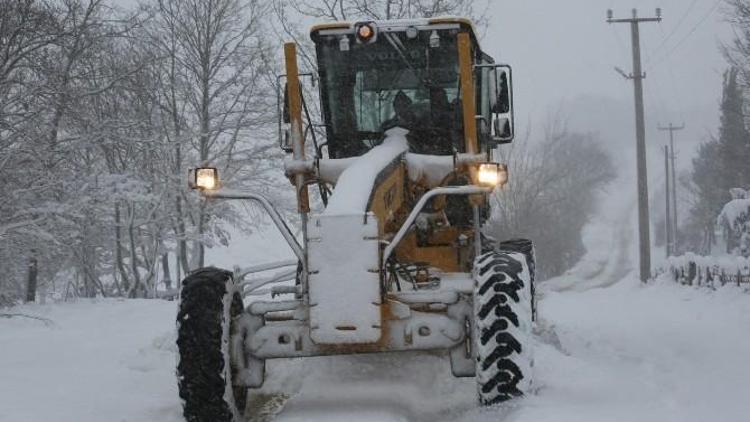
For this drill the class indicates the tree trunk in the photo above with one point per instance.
(165, 268)
(149, 282)
(118, 250)
(31, 280)
(134, 290)
(182, 252)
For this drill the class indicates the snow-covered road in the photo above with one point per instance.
(609, 349)
(633, 353)
(625, 353)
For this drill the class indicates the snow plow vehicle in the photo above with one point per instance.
(395, 260)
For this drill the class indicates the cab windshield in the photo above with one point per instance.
(395, 81)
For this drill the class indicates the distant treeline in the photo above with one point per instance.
(722, 162)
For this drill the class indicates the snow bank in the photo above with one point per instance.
(706, 270)
(735, 213)
(103, 360)
(657, 353)
(355, 184)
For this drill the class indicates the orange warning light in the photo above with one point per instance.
(365, 33)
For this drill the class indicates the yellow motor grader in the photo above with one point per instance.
(395, 261)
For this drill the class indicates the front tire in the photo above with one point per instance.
(503, 320)
(210, 303)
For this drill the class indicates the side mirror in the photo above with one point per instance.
(286, 142)
(285, 114)
(502, 102)
(282, 116)
(502, 129)
(502, 107)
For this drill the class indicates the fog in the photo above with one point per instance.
(564, 54)
(519, 287)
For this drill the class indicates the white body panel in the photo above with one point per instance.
(344, 279)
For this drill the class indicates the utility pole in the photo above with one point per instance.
(669, 202)
(672, 129)
(640, 130)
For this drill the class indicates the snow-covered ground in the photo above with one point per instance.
(625, 353)
(609, 349)
(104, 360)
(634, 353)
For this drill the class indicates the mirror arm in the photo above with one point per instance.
(486, 132)
(482, 119)
(501, 141)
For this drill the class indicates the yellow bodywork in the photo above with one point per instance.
(390, 203)
(448, 249)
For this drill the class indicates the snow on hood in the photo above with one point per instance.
(434, 168)
(355, 184)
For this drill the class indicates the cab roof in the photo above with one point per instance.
(396, 25)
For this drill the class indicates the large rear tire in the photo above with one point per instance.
(525, 247)
(503, 307)
(209, 306)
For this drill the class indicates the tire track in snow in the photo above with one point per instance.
(388, 387)
(609, 243)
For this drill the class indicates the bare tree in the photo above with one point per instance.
(216, 91)
(391, 9)
(552, 194)
(101, 113)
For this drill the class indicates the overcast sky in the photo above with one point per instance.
(565, 50)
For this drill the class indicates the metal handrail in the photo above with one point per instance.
(266, 204)
(249, 286)
(449, 190)
(241, 273)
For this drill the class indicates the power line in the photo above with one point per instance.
(692, 31)
(672, 84)
(684, 16)
(672, 88)
(653, 92)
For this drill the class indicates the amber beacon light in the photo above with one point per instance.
(366, 32)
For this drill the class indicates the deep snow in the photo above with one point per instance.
(625, 353)
(103, 360)
(609, 349)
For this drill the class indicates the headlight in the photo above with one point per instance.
(493, 174)
(206, 178)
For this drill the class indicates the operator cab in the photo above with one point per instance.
(378, 75)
